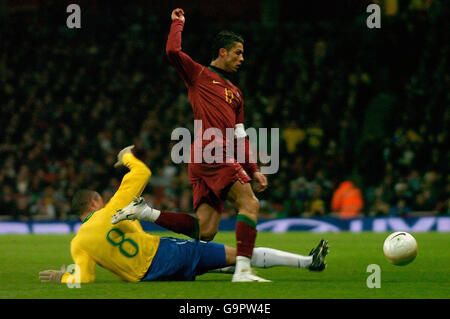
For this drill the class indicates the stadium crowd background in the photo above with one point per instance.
(352, 103)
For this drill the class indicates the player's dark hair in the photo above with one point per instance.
(81, 200)
(224, 39)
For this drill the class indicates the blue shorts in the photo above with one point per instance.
(179, 259)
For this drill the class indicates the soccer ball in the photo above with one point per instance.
(400, 248)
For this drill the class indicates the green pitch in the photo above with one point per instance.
(22, 257)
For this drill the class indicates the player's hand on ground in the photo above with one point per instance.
(124, 151)
(52, 275)
(178, 14)
(130, 212)
(260, 182)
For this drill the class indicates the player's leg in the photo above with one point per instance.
(247, 205)
(208, 220)
(203, 226)
(205, 223)
(180, 259)
(181, 223)
(243, 198)
(264, 257)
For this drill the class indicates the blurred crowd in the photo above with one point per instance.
(368, 107)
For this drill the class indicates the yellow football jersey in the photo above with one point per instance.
(124, 249)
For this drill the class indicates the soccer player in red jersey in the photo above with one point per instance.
(219, 105)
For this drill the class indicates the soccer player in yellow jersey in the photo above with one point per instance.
(112, 237)
(124, 249)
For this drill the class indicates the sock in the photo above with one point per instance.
(149, 213)
(245, 236)
(180, 223)
(268, 257)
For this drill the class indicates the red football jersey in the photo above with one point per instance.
(215, 101)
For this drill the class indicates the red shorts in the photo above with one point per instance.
(211, 182)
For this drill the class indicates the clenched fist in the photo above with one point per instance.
(178, 14)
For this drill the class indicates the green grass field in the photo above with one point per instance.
(23, 256)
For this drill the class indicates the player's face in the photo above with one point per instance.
(234, 57)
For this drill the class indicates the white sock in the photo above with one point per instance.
(242, 263)
(268, 257)
(149, 214)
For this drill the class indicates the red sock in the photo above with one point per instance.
(245, 236)
(181, 223)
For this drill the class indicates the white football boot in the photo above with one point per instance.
(131, 212)
(244, 272)
(247, 275)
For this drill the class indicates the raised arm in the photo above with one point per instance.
(187, 68)
(133, 183)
